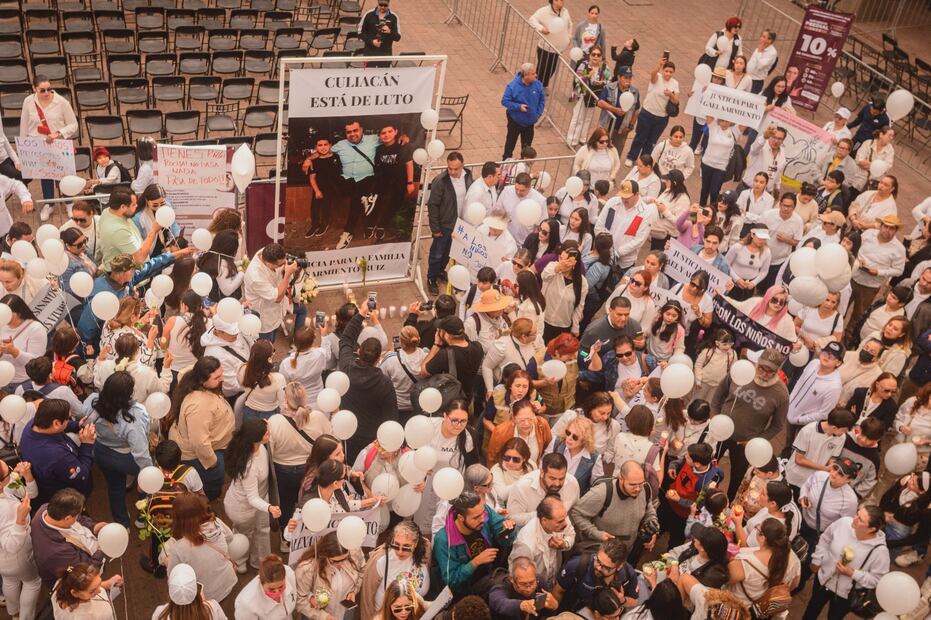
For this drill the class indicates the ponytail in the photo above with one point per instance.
(197, 323)
(778, 543)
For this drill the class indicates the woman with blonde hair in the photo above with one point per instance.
(598, 156)
(326, 575)
(129, 314)
(306, 363)
(577, 444)
(517, 347)
(402, 367)
(896, 337)
(401, 602)
(16, 282)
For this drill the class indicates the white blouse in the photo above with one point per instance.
(31, 339)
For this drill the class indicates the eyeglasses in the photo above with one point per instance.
(605, 568)
(402, 548)
(595, 55)
(458, 422)
(79, 220)
(778, 301)
(403, 608)
(512, 459)
(573, 436)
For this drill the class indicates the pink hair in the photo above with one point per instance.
(759, 310)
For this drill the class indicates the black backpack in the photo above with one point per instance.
(447, 383)
(125, 177)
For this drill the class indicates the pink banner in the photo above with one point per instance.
(820, 41)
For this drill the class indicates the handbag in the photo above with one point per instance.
(672, 109)
(9, 451)
(862, 601)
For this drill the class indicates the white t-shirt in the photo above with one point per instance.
(656, 99)
(814, 327)
(720, 145)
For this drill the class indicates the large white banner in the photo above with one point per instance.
(473, 249)
(303, 538)
(806, 147)
(733, 105)
(40, 159)
(196, 181)
(352, 184)
(682, 263)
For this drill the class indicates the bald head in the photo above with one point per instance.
(631, 478)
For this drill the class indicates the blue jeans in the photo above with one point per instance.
(289, 478)
(249, 412)
(300, 316)
(439, 254)
(751, 138)
(213, 477)
(270, 336)
(711, 181)
(897, 531)
(115, 467)
(48, 188)
(699, 135)
(649, 129)
(756, 86)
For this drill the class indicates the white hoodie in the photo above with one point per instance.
(867, 570)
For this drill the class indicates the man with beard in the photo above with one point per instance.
(394, 180)
(530, 490)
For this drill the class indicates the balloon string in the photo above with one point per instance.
(125, 591)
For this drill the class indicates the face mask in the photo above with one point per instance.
(866, 357)
(275, 596)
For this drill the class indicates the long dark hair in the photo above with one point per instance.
(325, 548)
(77, 577)
(116, 398)
(576, 271)
(778, 491)
(18, 306)
(257, 370)
(777, 541)
(532, 242)
(191, 381)
(223, 249)
(665, 602)
(181, 275)
(196, 323)
(770, 91)
(324, 446)
(586, 226)
(667, 331)
(242, 446)
(466, 457)
(676, 183)
(604, 247)
(528, 287)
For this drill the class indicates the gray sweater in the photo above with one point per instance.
(759, 411)
(622, 518)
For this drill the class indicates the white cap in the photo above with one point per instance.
(182, 585)
(843, 112)
(227, 328)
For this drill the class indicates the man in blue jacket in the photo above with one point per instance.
(872, 117)
(523, 100)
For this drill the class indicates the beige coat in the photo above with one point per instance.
(205, 423)
(307, 578)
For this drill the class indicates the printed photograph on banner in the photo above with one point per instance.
(807, 147)
(352, 184)
(819, 44)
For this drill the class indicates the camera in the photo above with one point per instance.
(427, 306)
(648, 529)
(303, 263)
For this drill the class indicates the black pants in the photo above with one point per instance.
(672, 523)
(8, 169)
(551, 331)
(739, 464)
(811, 537)
(546, 65)
(357, 191)
(289, 478)
(838, 606)
(510, 141)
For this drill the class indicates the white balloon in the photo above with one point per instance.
(677, 381)
(898, 592)
(418, 431)
(475, 213)
(885, 615)
(408, 469)
(105, 305)
(429, 119)
(229, 309)
(53, 250)
(420, 156)
(878, 168)
(339, 381)
(7, 370)
(808, 290)
(113, 539)
(626, 101)
(459, 277)
(435, 149)
(250, 325)
(162, 285)
(202, 239)
(702, 74)
(799, 358)
(390, 436)
(724, 44)
(681, 358)
(742, 372)
(839, 282)
(430, 400)
(406, 502)
(425, 458)
(5, 315)
(898, 104)
(554, 369)
(544, 181)
(837, 89)
(37, 268)
(238, 547)
(386, 485)
(803, 262)
(242, 167)
(900, 459)
(12, 408)
(60, 267)
(795, 307)
(23, 251)
(158, 404)
(721, 427)
(71, 185)
(351, 532)
(315, 514)
(344, 424)
(152, 300)
(150, 479)
(758, 451)
(165, 216)
(576, 54)
(328, 400)
(831, 258)
(529, 212)
(557, 24)
(574, 186)
(448, 483)
(46, 232)
(201, 283)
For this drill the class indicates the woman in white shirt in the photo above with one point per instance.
(714, 160)
(737, 77)
(669, 206)
(220, 263)
(517, 347)
(81, 594)
(872, 205)
(696, 304)
(125, 357)
(22, 339)
(755, 569)
(636, 290)
(306, 362)
(598, 156)
(579, 228)
(46, 113)
(585, 200)
(642, 172)
(532, 304)
(132, 312)
(755, 200)
(271, 595)
(21, 583)
(514, 461)
(776, 503)
(186, 598)
(246, 499)
(663, 90)
(264, 388)
(771, 311)
(879, 148)
(16, 281)
(837, 126)
(404, 557)
(818, 326)
(674, 153)
(145, 176)
(183, 331)
(402, 367)
(749, 263)
(564, 289)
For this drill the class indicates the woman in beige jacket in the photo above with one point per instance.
(327, 575)
(599, 157)
(408, 558)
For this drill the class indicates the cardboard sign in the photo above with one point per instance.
(473, 249)
(682, 263)
(45, 160)
(733, 105)
(303, 538)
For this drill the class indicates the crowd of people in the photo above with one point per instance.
(573, 433)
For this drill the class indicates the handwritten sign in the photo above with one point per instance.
(196, 180)
(748, 331)
(682, 263)
(44, 160)
(303, 538)
(473, 249)
(733, 105)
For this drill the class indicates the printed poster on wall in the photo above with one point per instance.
(40, 159)
(820, 42)
(351, 181)
(196, 180)
(806, 146)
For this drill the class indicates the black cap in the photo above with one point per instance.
(452, 325)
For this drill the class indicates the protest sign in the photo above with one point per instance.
(730, 104)
(196, 181)
(49, 306)
(45, 160)
(682, 263)
(806, 147)
(748, 331)
(820, 41)
(303, 538)
(473, 249)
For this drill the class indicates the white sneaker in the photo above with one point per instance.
(907, 559)
(628, 163)
(344, 240)
(46, 212)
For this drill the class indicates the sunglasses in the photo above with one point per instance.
(777, 301)
(403, 608)
(79, 244)
(402, 548)
(45, 90)
(512, 459)
(625, 355)
(574, 436)
(637, 283)
(544, 232)
(518, 264)
(78, 220)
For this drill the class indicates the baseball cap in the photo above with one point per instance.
(847, 466)
(629, 188)
(123, 262)
(835, 350)
(223, 326)
(772, 359)
(182, 585)
(101, 150)
(452, 325)
(728, 197)
(843, 112)
(625, 71)
(761, 231)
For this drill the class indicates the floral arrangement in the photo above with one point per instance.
(363, 264)
(153, 527)
(309, 289)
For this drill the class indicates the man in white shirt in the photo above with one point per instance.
(628, 219)
(513, 195)
(767, 155)
(483, 191)
(265, 287)
(920, 292)
(816, 444)
(817, 390)
(882, 257)
(544, 538)
(87, 221)
(762, 61)
(786, 229)
(552, 478)
(225, 342)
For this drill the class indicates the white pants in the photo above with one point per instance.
(21, 589)
(254, 525)
(580, 122)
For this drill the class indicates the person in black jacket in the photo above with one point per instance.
(876, 401)
(443, 306)
(447, 195)
(379, 30)
(907, 502)
(371, 394)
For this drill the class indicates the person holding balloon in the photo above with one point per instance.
(154, 208)
(81, 594)
(328, 576)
